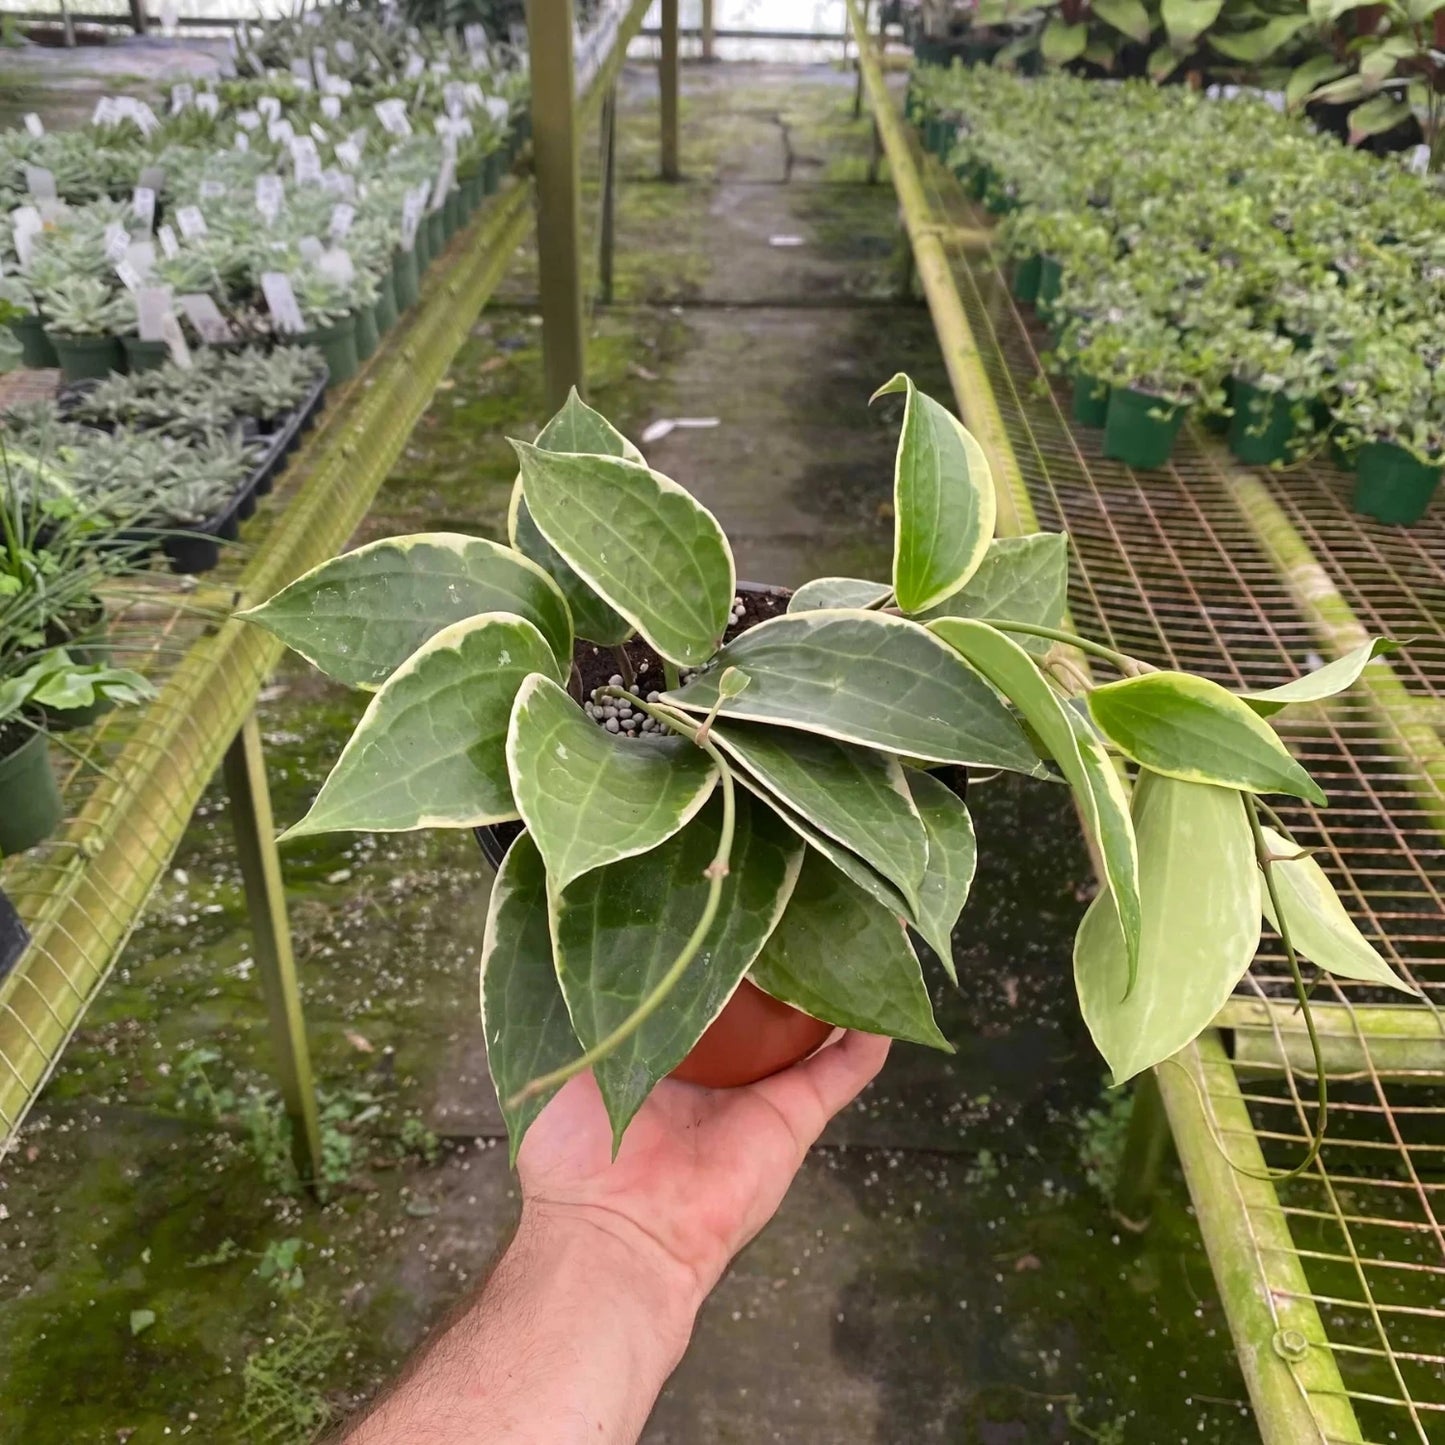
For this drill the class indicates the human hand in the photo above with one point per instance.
(700, 1170)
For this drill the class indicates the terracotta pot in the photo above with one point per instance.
(752, 1037)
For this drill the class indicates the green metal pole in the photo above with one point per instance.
(708, 36)
(244, 769)
(559, 197)
(607, 242)
(667, 78)
(858, 92)
(1143, 1155)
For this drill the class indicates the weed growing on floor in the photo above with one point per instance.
(283, 1402)
(1102, 1135)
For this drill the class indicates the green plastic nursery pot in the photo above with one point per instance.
(452, 214)
(144, 355)
(35, 347)
(436, 232)
(1262, 427)
(405, 279)
(1091, 400)
(1139, 429)
(385, 303)
(1051, 278)
(421, 247)
(1345, 457)
(337, 344)
(1026, 279)
(87, 358)
(366, 333)
(492, 172)
(1393, 486)
(30, 806)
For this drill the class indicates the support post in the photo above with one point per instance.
(667, 79)
(607, 240)
(1143, 1155)
(140, 22)
(858, 93)
(559, 186)
(709, 36)
(67, 26)
(244, 770)
(875, 149)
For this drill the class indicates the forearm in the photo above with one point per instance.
(571, 1339)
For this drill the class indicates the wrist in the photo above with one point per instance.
(619, 1267)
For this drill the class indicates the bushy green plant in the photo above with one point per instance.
(760, 801)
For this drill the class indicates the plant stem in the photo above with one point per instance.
(1129, 666)
(624, 666)
(716, 874)
(670, 676)
(1267, 861)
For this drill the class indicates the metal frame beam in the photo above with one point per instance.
(667, 77)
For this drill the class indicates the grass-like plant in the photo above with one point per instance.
(778, 817)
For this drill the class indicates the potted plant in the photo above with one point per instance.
(18, 312)
(703, 785)
(1274, 387)
(85, 317)
(327, 309)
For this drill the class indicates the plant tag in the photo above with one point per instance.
(152, 306)
(191, 222)
(441, 188)
(281, 301)
(169, 245)
(441, 66)
(143, 116)
(454, 97)
(243, 141)
(142, 255)
(175, 340)
(414, 66)
(269, 106)
(181, 96)
(337, 183)
(270, 192)
(319, 60)
(474, 37)
(310, 248)
(208, 103)
(25, 226)
(143, 205)
(411, 213)
(154, 177)
(117, 242)
(337, 265)
(40, 182)
(345, 52)
(249, 119)
(280, 132)
(104, 112)
(301, 73)
(130, 278)
(212, 190)
(34, 125)
(341, 218)
(205, 316)
(306, 162)
(392, 115)
(475, 99)
(349, 154)
(318, 134)
(331, 107)
(499, 108)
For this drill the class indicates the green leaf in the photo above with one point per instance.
(576, 428)
(1097, 789)
(1190, 728)
(1102, 51)
(824, 592)
(855, 795)
(1326, 12)
(952, 860)
(869, 678)
(1304, 78)
(1377, 116)
(1348, 88)
(1129, 16)
(1062, 42)
(1022, 579)
(1319, 926)
(430, 749)
(1420, 11)
(618, 930)
(524, 1017)
(640, 542)
(844, 959)
(1252, 46)
(590, 797)
(1163, 62)
(1198, 886)
(1334, 677)
(1187, 20)
(943, 501)
(359, 616)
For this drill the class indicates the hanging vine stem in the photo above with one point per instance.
(716, 874)
(1129, 666)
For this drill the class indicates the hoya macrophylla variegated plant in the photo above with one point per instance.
(762, 798)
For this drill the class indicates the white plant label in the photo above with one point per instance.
(338, 265)
(301, 71)
(270, 191)
(392, 115)
(117, 242)
(498, 107)
(152, 306)
(331, 107)
(443, 184)
(170, 15)
(318, 134)
(175, 340)
(341, 218)
(269, 106)
(414, 66)
(130, 278)
(280, 132)
(411, 213)
(243, 141)
(25, 226)
(182, 96)
(310, 248)
(338, 183)
(209, 103)
(345, 52)
(169, 245)
(143, 205)
(349, 154)
(142, 256)
(281, 301)
(153, 177)
(249, 119)
(212, 190)
(40, 182)
(191, 222)
(104, 112)
(205, 316)
(34, 125)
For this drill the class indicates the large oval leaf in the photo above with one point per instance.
(638, 540)
(618, 929)
(1186, 20)
(1105, 810)
(952, 860)
(590, 797)
(1334, 677)
(943, 501)
(524, 1017)
(1199, 892)
(359, 616)
(855, 795)
(1128, 16)
(1192, 729)
(430, 749)
(870, 678)
(1021, 579)
(1319, 926)
(576, 428)
(838, 592)
(1062, 42)
(842, 958)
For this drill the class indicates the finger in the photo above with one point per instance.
(810, 1093)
